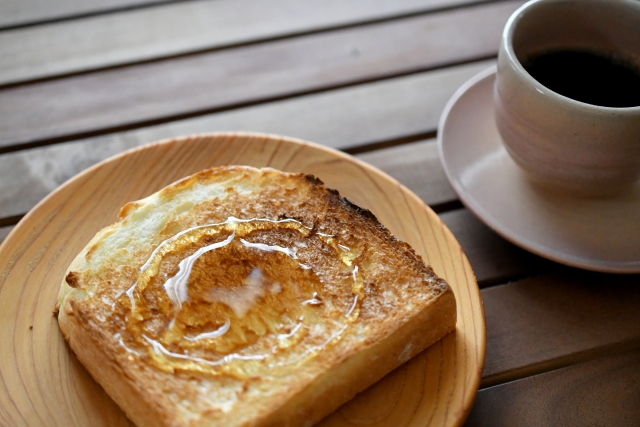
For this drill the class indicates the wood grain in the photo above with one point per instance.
(340, 119)
(167, 30)
(44, 385)
(22, 12)
(195, 85)
(417, 166)
(494, 260)
(525, 335)
(603, 392)
(547, 322)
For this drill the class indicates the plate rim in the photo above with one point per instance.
(470, 390)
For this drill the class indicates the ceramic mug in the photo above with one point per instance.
(564, 144)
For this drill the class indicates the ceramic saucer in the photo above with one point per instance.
(595, 234)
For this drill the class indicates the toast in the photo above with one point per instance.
(247, 297)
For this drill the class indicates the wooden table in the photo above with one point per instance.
(81, 81)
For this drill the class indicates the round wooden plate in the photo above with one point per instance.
(42, 383)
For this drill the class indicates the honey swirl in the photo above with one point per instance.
(241, 297)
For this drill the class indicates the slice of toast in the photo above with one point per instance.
(242, 296)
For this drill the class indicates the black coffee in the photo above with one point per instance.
(587, 77)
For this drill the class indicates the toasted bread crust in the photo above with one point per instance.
(129, 395)
(406, 308)
(341, 383)
(330, 390)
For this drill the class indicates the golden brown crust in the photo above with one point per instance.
(403, 303)
(73, 279)
(126, 209)
(340, 384)
(90, 351)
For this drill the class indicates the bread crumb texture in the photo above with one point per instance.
(220, 298)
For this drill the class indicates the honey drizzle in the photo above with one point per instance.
(176, 286)
(150, 267)
(213, 334)
(176, 290)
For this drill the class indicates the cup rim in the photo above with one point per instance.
(507, 43)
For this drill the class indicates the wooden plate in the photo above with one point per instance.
(42, 383)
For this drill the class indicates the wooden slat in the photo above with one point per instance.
(415, 165)
(22, 12)
(418, 167)
(171, 29)
(341, 118)
(547, 322)
(603, 392)
(194, 85)
(493, 259)
(4, 232)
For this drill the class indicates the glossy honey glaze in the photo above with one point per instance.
(240, 297)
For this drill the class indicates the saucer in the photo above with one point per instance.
(600, 234)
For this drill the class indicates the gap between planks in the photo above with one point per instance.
(493, 259)
(601, 392)
(417, 166)
(552, 321)
(6, 147)
(579, 353)
(15, 14)
(160, 92)
(538, 324)
(346, 118)
(559, 319)
(541, 323)
(4, 232)
(185, 28)
(339, 119)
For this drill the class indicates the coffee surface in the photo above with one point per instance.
(587, 77)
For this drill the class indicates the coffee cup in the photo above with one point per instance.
(566, 142)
